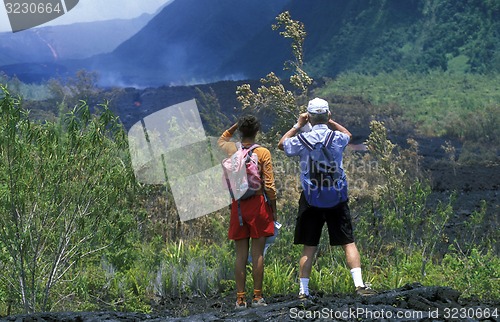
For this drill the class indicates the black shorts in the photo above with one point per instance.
(310, 222)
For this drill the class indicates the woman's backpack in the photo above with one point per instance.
(242, 175)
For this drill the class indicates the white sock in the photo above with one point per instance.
(357, 277)
(304, 286)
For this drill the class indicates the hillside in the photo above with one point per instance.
(188, 41)
(196, 41)
(54, 43)
(380, 36)
(236, 41)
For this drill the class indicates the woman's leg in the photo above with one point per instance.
(258, 262)
(240, 263)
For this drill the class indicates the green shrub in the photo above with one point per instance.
(475, 274)
(63, 196)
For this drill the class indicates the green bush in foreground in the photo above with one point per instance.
(63, 196)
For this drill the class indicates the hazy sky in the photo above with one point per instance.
(93, 10)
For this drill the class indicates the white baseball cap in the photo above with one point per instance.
(317, 106)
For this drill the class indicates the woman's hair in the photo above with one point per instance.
(248, 126)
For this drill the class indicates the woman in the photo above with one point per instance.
(257, 213)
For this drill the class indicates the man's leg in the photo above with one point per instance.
(354, 263)
(306, 261)
(307, 232)
(352, 255)
(305, 267)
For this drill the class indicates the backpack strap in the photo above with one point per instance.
(250, 150)
(231, 194)
(254, 146)
(328, 141)
(305, 142)
(240, 216)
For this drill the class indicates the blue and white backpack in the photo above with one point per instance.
(324, 184)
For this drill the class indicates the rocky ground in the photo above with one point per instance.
(409, 303)
(472, 184)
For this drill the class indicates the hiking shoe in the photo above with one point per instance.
(365, 290)
(258, 302)
(303, 296)
(241, 304)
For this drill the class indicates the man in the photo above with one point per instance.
(310, 220)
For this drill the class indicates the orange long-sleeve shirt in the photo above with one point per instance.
(265, 162)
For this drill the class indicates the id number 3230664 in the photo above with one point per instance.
(32, 7)
(471, 313)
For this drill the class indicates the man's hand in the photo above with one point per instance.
(334, 126)
(303, 119)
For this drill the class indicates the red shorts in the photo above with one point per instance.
(257, 218)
